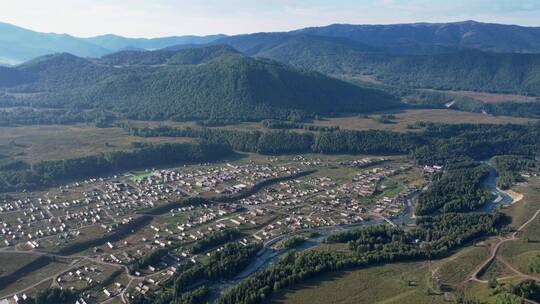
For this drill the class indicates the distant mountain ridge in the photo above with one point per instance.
(18, 44)
(117, 43)
(412, 38)
(467, 34)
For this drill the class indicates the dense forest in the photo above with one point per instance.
(458, 189)
(283, 141)
(510, 167)
(412, 38)
(281, 124)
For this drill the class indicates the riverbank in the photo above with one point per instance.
(515, 196)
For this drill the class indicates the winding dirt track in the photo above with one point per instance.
(494, 255)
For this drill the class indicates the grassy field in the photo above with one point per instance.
(495, 270)
(141, 176)
(395, 283)
(519, 252)
(35, 143)
(408, 117)
(522, 211)
(456, 268)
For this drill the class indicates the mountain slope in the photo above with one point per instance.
(206, 83)
(467, 70)
(11, 77)
(463, 70)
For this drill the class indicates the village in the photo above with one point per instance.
(107, 220)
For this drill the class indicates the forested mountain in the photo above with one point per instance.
(170, 56)
(415, 38)
(215, 83)
(464, 70)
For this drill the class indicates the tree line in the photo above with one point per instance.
(285, 141)
(282, 124)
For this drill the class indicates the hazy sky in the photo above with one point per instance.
(151, 18)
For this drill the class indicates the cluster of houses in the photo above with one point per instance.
(213, 179)
(320, 201)
(86, 275)
(304, 203)
(365, 182)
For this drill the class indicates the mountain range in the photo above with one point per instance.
(266, 75)
(18, 44)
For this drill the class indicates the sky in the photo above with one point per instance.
(156, 18)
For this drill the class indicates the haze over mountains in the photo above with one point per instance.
(18, 44)
(267, 75)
